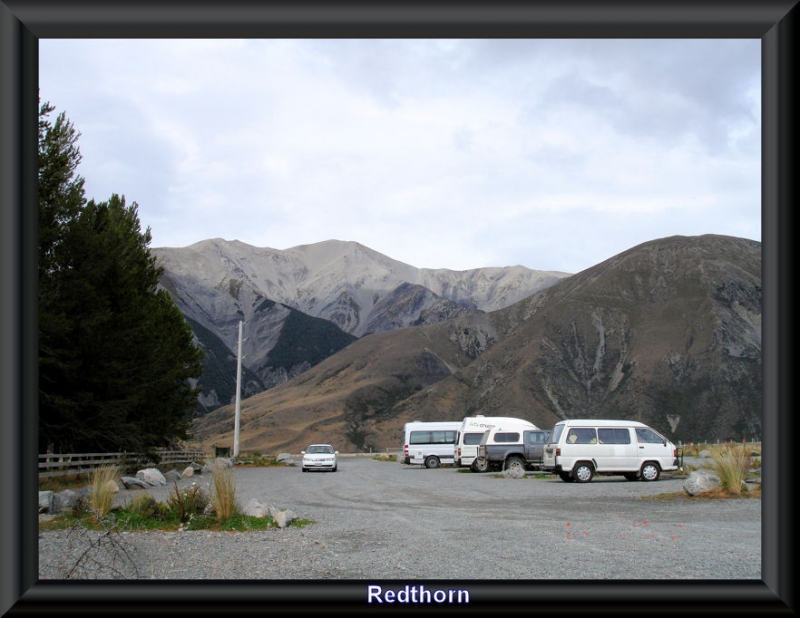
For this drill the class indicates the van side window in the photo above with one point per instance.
(433, 437)
(581, 436)
(472, 438)
(614, 436)
(506, 436)
(644, 434)
(420, 437)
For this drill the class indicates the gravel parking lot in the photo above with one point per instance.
(384, 520)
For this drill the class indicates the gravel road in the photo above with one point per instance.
(384, 520)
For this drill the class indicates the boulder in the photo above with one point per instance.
(284, 518)
(110, 486)
(172, 475)
(701, 481)
(130, 482)
(52, 502)
(254, 508)
(65, 500)
(46, 501)
(218, 462)
(151, 476)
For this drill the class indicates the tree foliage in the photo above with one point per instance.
(116, 356)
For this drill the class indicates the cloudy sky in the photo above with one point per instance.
(552, 154)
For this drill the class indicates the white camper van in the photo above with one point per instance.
(471, 432)
(580, 449)
(430, 443)
(504, 431)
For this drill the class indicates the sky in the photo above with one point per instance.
(551, 154)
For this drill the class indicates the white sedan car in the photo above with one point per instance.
(319, 457)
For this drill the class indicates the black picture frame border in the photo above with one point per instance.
(24, 22)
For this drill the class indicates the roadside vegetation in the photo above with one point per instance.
(187, 508)
(257, 459)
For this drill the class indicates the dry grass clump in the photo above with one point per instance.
(731, 463)
(104, 488)
(694, 449)
(223, 493)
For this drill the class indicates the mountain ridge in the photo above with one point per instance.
(667, 332)
(219, 284)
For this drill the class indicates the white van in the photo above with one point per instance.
(504, 431)
(580, 449)
(430, 443)
(471, 432)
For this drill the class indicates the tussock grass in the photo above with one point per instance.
(731, 464)
(104, 487)
(223, 493)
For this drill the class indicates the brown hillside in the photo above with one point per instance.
(668, 332)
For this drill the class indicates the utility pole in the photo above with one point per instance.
(238, 412)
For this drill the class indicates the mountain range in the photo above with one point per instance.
(667, 332)
(300, 305)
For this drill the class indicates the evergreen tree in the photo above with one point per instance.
(116, 356)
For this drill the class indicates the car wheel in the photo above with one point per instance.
(566, 477)
(515, 462)
(632, 476)
(650, 471)
(334, 469)
(431, 462)
(477, 466)
(582, 472)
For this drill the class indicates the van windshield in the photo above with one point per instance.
(645, 434)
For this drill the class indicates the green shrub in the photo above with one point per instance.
(187, 502)
(145, 512)
(147, 507)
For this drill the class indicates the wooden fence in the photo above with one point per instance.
(52, 464)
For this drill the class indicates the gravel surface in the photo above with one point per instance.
(384, 520)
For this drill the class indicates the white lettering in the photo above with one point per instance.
(416, 594)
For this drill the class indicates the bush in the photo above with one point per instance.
(145, 512)
(147, 507)
(187, 502)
